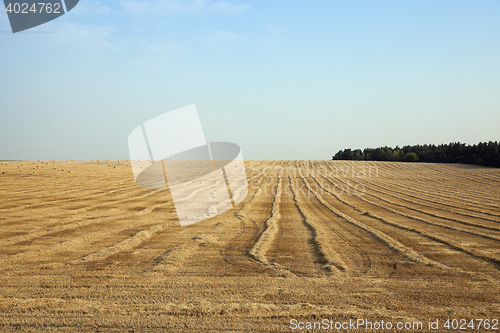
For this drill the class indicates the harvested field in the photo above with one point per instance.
(88, 250)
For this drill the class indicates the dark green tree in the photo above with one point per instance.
(484, 153)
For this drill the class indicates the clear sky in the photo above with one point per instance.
(283, 79)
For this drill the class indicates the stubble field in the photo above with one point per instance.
(85, 249)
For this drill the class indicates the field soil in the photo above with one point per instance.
(83, 248)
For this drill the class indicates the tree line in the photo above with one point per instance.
(484, 153)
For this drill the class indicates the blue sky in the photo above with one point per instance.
(283, 79)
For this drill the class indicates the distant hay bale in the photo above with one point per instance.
(62, 169)
(69, 170)
(20, 169)
(3, 172)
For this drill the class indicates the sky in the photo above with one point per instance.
(282, 79)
